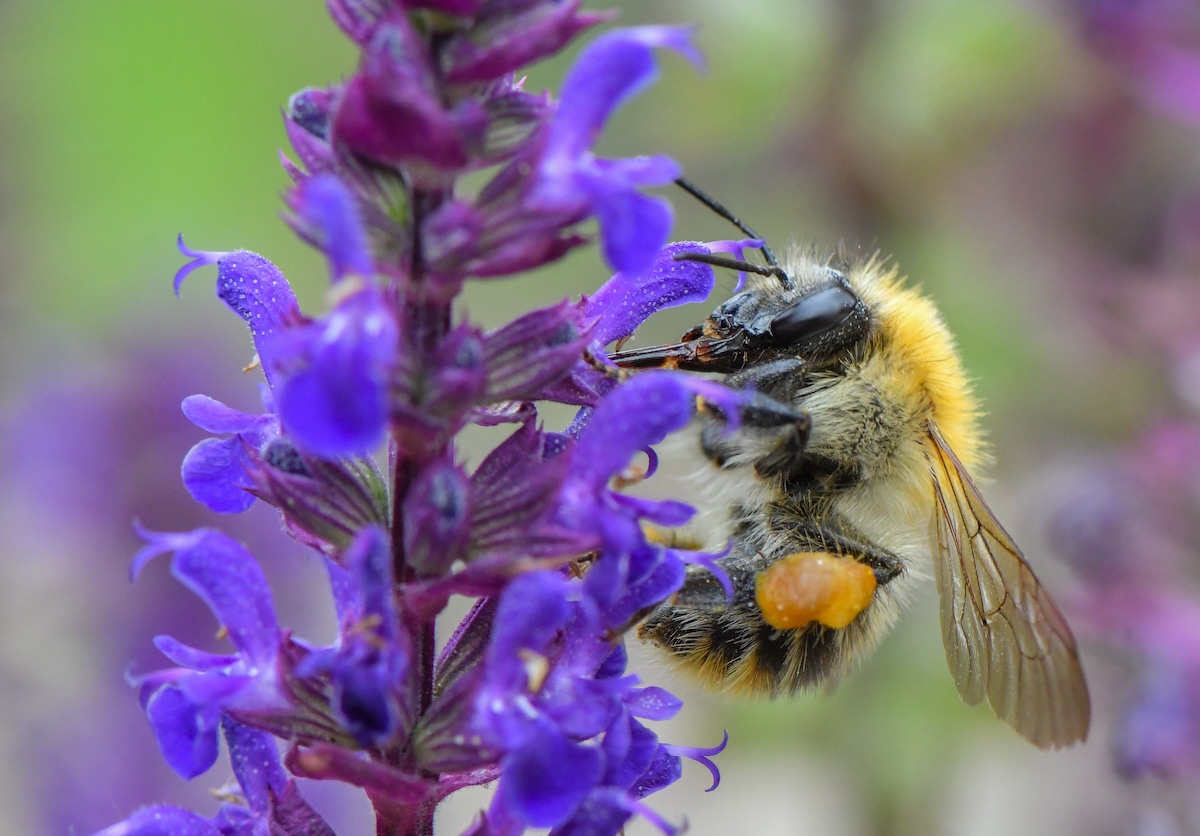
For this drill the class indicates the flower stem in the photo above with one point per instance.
(392, 819)
(395, 820)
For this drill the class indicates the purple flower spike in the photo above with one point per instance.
(530, 693)
(327, 211)
(611, 70)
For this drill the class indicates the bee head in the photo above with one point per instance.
(809, 311)
(813, 313)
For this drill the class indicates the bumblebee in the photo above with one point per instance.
(852, 454)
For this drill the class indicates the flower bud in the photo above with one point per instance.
(437, 519)
(323, 502)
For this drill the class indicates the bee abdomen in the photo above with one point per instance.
(737, 651)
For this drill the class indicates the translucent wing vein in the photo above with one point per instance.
(1005, 638)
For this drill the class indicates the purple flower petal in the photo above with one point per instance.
(255, 760)
(703, 757)
(633, 226)
(669, 513)
(626, 300)
(334, 408)
(637, 414)
(162, 821)
(663, 771)
(199, 258)
(254, 289)
(186, 737)
(613, 69)
(273, 802)
(307, 123)
(214, 473)
(336, 404)
(228, 579)
(368, 667)
(544, 781)
(329, 213)
(600, 814)
(570, 181)
(653, 703)
(189, 657)
(215, 417)
(641, 750)
(532, 610)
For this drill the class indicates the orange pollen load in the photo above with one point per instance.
(814, 586)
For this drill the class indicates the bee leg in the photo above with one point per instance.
(762, 415)
(786, 456)
(779, 379)
(817, 537)
(773, 386)
(727, 644)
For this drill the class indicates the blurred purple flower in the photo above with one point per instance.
(1155, 42)
(1129, 529)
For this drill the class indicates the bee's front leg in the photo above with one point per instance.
(771, 432)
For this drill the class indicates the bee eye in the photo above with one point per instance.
(813, 315)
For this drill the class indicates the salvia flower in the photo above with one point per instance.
(1129, 530)
(531, 691)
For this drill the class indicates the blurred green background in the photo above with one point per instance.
(1006, 168)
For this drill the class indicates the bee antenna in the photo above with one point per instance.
(718, 260)
(702, 196)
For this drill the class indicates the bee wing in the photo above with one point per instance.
(1005, 637)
